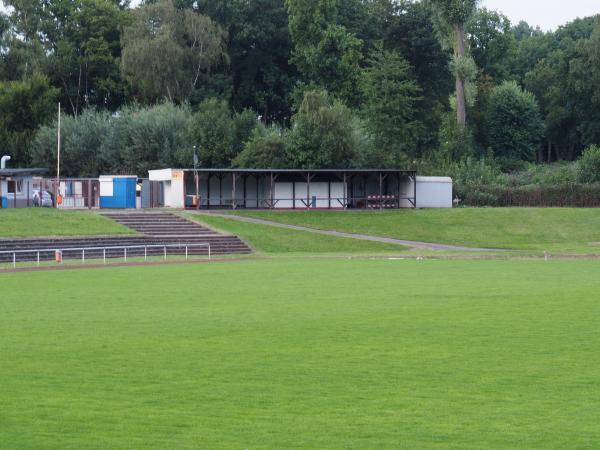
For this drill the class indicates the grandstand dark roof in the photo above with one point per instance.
(22, 172)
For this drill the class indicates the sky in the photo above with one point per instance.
(547, 14)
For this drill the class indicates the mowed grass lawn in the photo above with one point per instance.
(279, 241)
(274, 354)
(566, 230)
(33, 222)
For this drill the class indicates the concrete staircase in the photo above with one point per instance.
(155, 229)
(162, 225)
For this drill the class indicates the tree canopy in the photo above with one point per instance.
(283, 83)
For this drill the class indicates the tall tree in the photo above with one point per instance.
(325, 52)
(168, 53)
(584, 83)
(391, 96)
(218, 134)
(259, 47)
(24, 106)
(492, 44)
(515, 124)
(451, 16)
(407, 28)
(322, 134)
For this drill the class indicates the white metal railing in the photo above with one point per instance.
(59, 251)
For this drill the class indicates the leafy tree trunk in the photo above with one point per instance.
(459, 51)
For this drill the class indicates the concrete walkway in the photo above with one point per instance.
(363, 237)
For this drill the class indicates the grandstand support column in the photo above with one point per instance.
(245, 178)
(208, 190)
(399, 178)
(345, 192)
(365, 179)
(257, 186)
(294, 193)
(380, 191)
(271, 191)
(89, 194)
(415, 191)
(233, 193)
(220, 190)
(308, 177)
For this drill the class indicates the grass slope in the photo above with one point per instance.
(29, 222)
(295, 354)
(563, 230)
(271, 240)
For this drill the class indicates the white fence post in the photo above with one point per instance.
(36, 254)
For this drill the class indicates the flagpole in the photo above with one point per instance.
(57, 191)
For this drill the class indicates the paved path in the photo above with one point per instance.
(364, 237)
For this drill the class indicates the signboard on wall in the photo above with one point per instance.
(106, 187)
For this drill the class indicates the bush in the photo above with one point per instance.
(265, 149)
(589, 165)
(572, 195)
(514, 123)
(322, 134)
(130, 142)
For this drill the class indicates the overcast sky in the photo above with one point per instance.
(548, 14)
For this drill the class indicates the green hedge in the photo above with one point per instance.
(565, 195)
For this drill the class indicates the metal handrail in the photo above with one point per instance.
(104, 249)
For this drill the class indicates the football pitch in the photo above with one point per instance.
(299, 353)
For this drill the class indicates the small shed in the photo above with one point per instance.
(434, 192)
(118, 191)
(17, 187)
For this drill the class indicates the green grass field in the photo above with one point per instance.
(538, 229)
(35, 222)
(279, 241)
(273, 354)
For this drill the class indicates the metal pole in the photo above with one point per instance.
(186, 253)
(145, 253)
(14, 260)
(83, 256)
(57, 191)
(38, 258)
(165, 251)
(104, 255)
(208, 251)
(125, 254)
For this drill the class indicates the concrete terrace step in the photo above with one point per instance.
(156, 229)
(159, 224)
